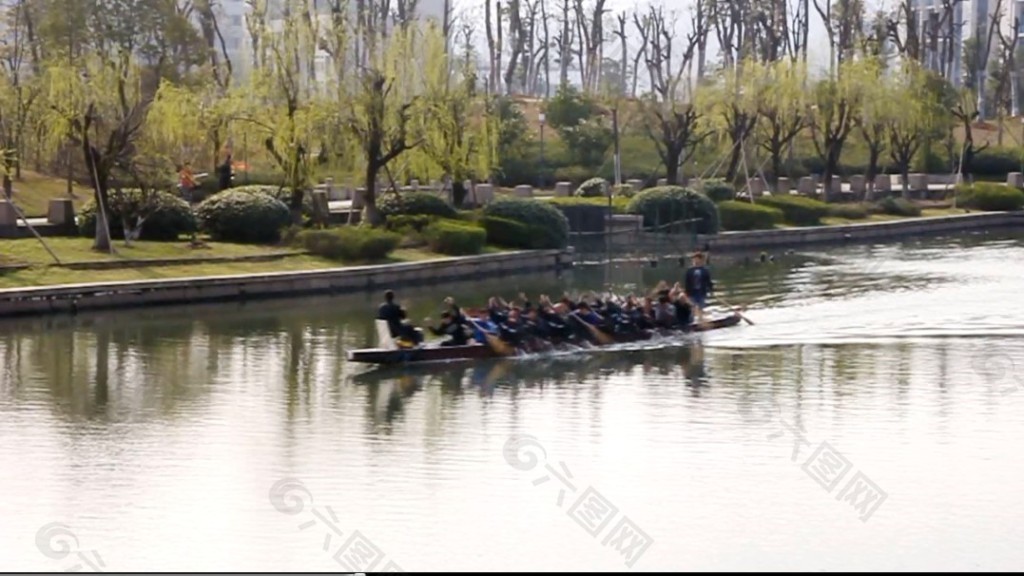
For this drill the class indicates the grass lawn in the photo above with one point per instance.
(34, 191)
(43, 273)
(925, 213)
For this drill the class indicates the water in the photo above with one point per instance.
(157, 437)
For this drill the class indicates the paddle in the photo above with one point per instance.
(598, 335)
(736, 311)
(499, 346)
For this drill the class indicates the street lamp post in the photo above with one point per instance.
(540, 176)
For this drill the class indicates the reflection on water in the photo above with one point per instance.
(870, 419)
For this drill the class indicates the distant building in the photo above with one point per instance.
(971, 22)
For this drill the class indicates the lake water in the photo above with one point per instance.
(871, 419)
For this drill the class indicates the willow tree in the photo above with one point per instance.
(101, 107)
(918, 115)
(781, 102)
(459, 134)
(379, 115)
(730, 108)
(283, 110)
(836, 102)
(186, 123)
(880, 102)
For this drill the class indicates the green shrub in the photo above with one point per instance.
(593, 188)
(509, 233)
(996, 161)
(547, 222)
(848, 211)
(664, 205)
(235, 216)
(455, 237)
(624, 191)
(405, 223)
(350, 243)
(746, 216)
(282, 194)
(574, 174)
(896, 207)
(718, 190)
(990, 197)
(619, 203)
(415, 203)
(797, 210)
(169, 216)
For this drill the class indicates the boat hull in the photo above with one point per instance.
(435, 353)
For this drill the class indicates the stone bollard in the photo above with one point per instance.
(8, 216)
(806, 186)
(61, 212)
(858, 184)
(524, 191)
(918, 182)
(883, 183)
(636, 184)
(563, 189)
(321, 207)
(415, 185)
(334, 194)
(783, 185)
(757, 187)
(357, 199)
(484, 194)
(662, 181)
(837, 186)
(1015, 180)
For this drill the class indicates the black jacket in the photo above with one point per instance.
(393, 314)
(698, 281)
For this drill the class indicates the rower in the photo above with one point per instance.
(482, 327)
(698, 284)
(452, 327)
(395, 316)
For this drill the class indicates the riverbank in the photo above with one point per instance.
(861, 232)
(71, 298)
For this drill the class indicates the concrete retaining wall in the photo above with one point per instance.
(861, 232)
(76, 297)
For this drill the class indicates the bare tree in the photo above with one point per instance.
(565, 42)
(670, 118)
(983, 53)
(591, 32)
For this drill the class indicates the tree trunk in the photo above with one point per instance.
(101, 242)
(673, 155)
(371, 215)
(458, 191)
(296, 205)
(8, 186)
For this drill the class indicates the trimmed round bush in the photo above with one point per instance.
(737, 215)
(624, 191)
(243, 217)
(170, 219)
(665, 205)
(455, 238)
(508, 233)
(896, 207)
(415, 204)
(547, 223)
(402, 223)
(718, 190)
(282, 194)
(350, 243)
(848, 211)
(991, 197)
(593, 188)
(798, 210)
